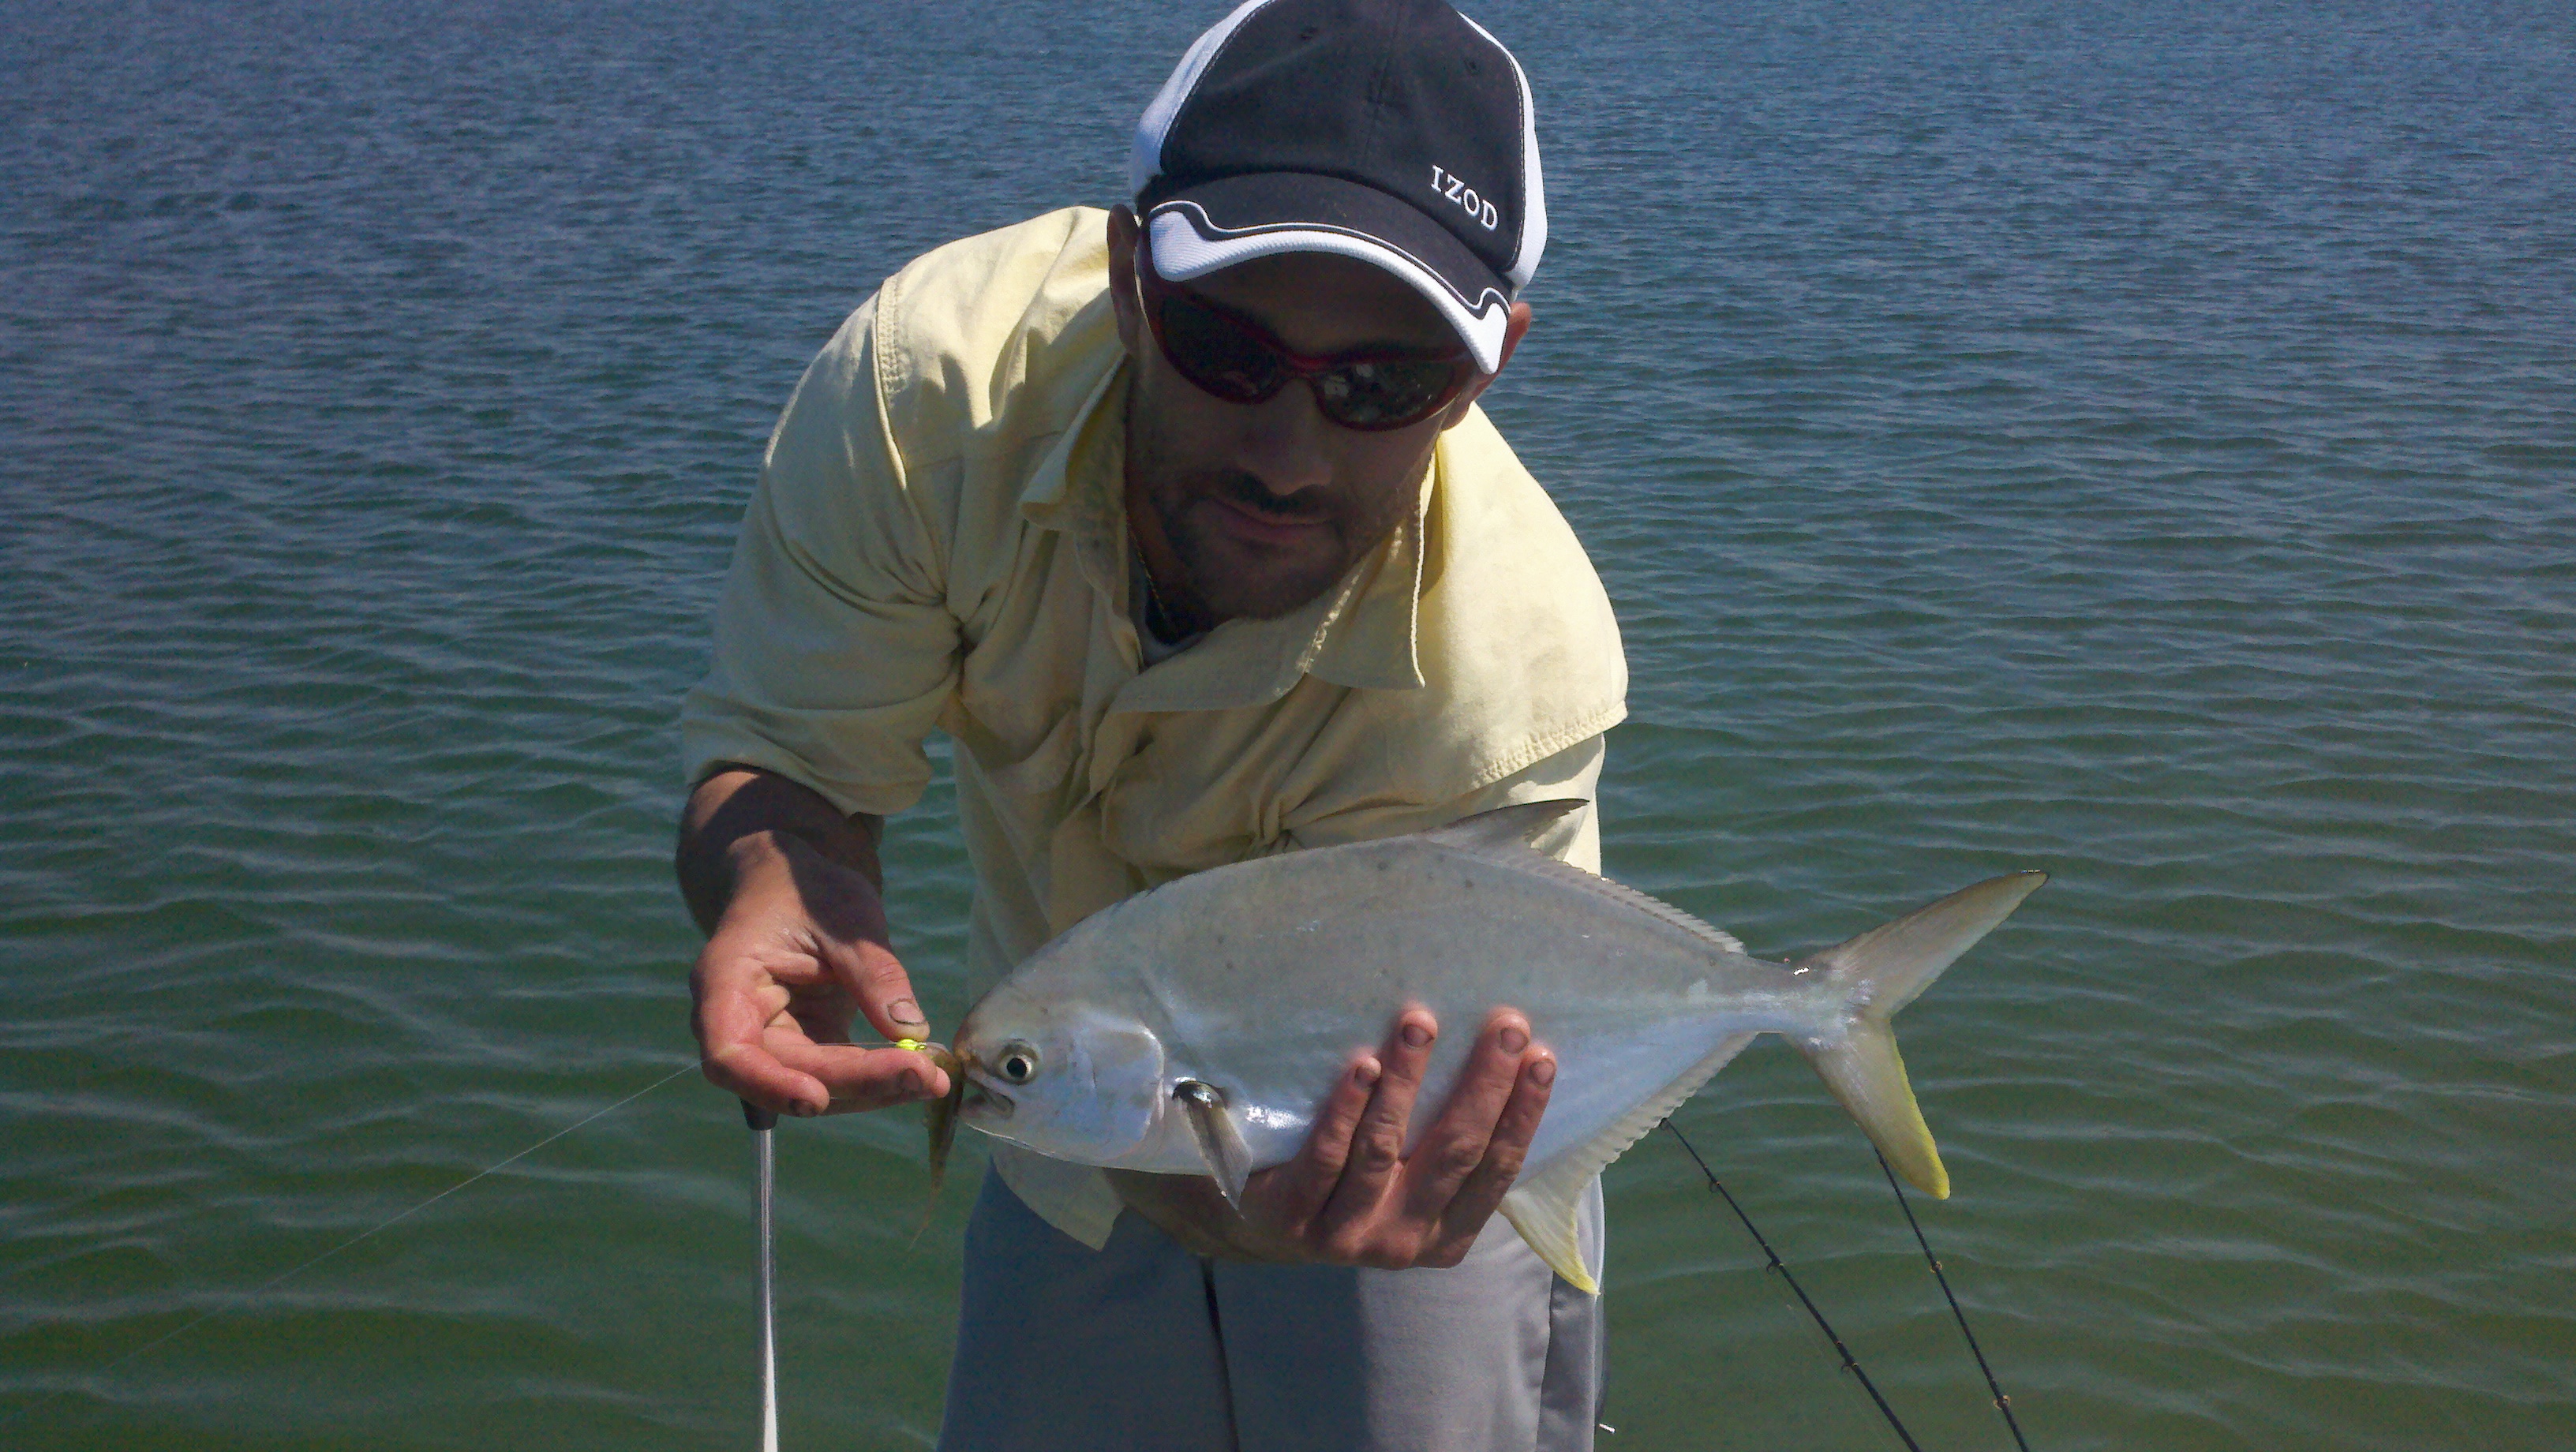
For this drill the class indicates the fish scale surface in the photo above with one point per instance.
(1265, 978)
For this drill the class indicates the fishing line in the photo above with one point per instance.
(284, 1276)
(2003, 1403)
(1851, 1363)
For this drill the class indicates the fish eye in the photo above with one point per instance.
(1018, 1062)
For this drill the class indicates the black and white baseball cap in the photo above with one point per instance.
(1394, 131)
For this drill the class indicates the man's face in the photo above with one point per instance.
(1263, 506)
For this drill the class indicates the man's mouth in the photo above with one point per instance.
(1261, 525)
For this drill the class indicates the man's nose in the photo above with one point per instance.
(1283, 443)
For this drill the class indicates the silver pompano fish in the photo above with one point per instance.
(1197, 1028)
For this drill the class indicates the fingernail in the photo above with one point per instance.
(1364, 1073)
(904, 1010)
(912, 1082)
(804, 1110)
(1514, 1041)
(1416, 1035)
(1543, 1073)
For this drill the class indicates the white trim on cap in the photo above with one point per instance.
(1533, 192)
(1145, 158)
(1184, 250)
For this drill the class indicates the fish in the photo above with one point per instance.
(1198, 1027)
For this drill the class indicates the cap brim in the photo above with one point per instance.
(1234, 219)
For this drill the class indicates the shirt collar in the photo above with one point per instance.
(1361, 633)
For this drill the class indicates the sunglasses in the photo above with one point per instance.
(1234, 358)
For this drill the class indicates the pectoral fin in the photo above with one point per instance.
(1228, 1158)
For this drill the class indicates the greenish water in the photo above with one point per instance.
(2129, 440)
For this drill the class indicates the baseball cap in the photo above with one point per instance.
(1397, 132)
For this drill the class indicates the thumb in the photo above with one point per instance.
(884, 991)
(854, 941)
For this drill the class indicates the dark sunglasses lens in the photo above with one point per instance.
(1385, 394)
(1209, 352)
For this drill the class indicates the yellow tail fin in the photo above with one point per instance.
(1881, 971)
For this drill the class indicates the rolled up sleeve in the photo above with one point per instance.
(835, 650)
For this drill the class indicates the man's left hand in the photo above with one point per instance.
(1352, 1196)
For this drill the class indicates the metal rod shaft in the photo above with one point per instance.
(764, 1165)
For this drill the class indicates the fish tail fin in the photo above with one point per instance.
(1880, 972)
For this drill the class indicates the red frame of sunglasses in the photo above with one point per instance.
(1153, 291)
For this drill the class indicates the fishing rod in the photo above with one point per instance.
(764, 1163)
(2003, 1403)
(763, 1123)
(1851, 1363)
(764, 1168)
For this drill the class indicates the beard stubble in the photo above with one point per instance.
(1237, 577)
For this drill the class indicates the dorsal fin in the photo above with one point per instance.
(1506, 832)
(1505, 828)
(1542, 865)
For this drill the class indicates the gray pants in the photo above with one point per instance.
(1141, 1347)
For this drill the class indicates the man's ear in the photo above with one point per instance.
(1122, 273)
(1514, 329)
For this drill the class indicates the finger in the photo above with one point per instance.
(1291, 1196)
(764, 1035)
(856, 1078)
(1505, 1153)
(755, 1076)
(1455, 1144)
(1377, 1145)
(737, 1000)
(876, 978)
(852, 936)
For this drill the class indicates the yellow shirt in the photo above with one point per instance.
(939, 541)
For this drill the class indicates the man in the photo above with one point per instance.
(1181, 523)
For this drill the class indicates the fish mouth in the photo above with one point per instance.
(982, 1101)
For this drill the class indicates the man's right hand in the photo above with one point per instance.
(797, 949)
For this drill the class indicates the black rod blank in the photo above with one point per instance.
(1851, 1363)
(2003, 1403)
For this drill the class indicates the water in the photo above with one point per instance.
(2132, 440)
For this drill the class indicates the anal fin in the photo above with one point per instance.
(1542, 1206)
(1546, 1217)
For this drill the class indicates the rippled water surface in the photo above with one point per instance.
(2134, 440)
